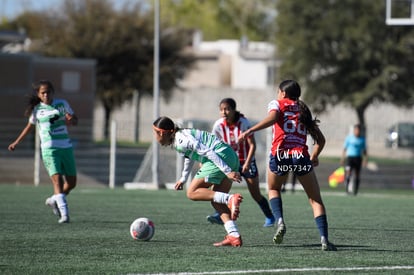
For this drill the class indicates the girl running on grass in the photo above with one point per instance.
(52, 117)
(219, 168)
(228, 128)
(291, 121)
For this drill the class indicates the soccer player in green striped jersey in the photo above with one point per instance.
(213, 181)
(52, 117)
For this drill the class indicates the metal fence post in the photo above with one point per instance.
(112, 154)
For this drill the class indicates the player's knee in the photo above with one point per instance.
(191, 194)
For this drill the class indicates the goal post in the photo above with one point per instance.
(399, 12)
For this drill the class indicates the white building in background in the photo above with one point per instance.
(224, 68)
(233, 64)
(245, 71)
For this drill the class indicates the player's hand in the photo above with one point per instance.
(12, 146)
(234, 176)
(179, 185)
(71, 119)
(245, 167)
(241, 137)
(314, 160)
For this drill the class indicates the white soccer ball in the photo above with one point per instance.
(142, 229)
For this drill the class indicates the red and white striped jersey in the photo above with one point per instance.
(289, 134)
(230, 135)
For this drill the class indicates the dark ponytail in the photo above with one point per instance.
(33, 101)
(305, 117)
(293, 92)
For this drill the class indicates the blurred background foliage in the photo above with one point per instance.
(341, 51)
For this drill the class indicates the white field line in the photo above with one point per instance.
(367, 195)
(280, 270)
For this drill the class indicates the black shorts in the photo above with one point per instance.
(252, 172)
(354, 163)
(298, 165)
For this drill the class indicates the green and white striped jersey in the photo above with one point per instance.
(197, 145)
(51, 123)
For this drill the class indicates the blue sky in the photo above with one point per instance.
(12, 8)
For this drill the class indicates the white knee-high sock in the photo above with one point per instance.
(231, 228)
(62, 204)
(221, 197)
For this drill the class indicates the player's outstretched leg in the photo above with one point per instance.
(234, 205)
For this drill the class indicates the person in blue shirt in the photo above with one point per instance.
(355, 153)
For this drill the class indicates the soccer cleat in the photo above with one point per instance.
(280, 232)
(230, 241)
(214, 219)
(327, 246)
(64, 219)
(52, 203)
(269, 222)
(234, 205)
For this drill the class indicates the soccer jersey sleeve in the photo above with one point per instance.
(188, 164)
(32, 119)
(346, 142)
(68, 109)
(364, 144)
(244, 124)
(185, 144)
(215, 158)
(273, 106)
(217, 129)
(195, 149)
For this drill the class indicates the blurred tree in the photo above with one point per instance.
(224, 19)
(121, 42)
(31, 22)
(342, 52)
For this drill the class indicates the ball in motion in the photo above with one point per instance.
(142, 229)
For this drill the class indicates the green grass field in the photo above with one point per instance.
(374, 233)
